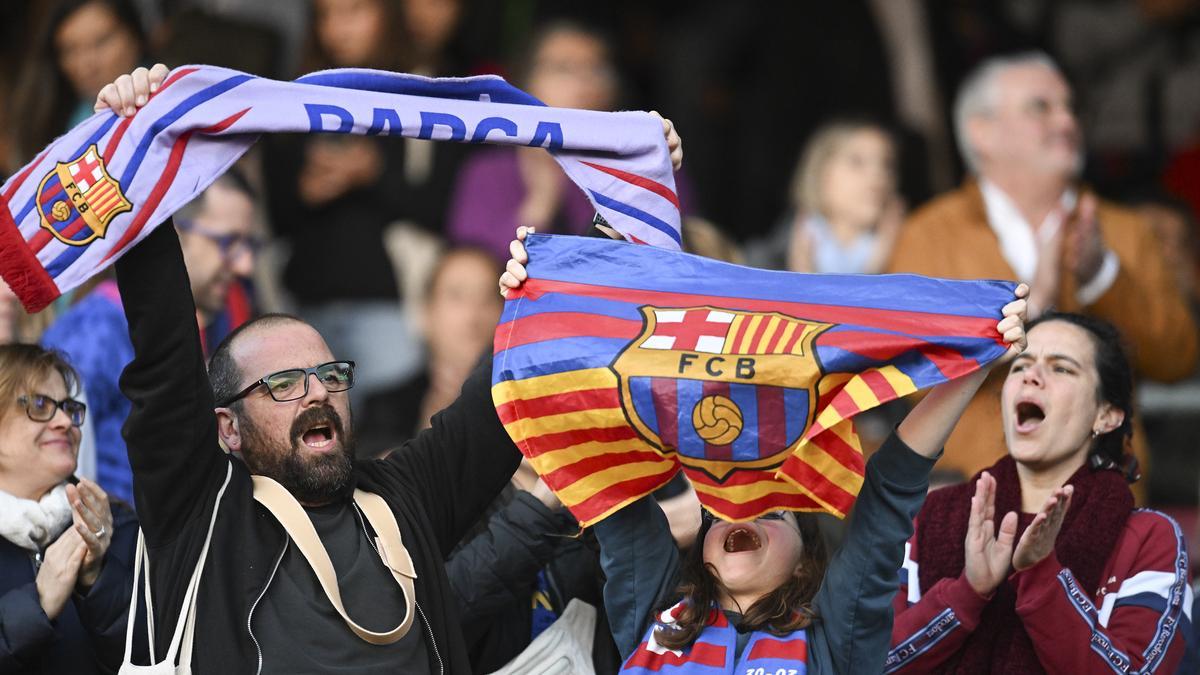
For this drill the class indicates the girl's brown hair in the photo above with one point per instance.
(786, 609)
(21, 365)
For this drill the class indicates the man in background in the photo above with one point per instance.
(1024, 216)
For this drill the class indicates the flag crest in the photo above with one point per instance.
(617, 366)
(77, 199)
(723, 390)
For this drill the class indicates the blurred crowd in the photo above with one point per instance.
(859, 136)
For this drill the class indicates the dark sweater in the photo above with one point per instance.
(437, 484)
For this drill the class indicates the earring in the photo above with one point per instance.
(1095, 433)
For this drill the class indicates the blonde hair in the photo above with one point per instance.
(805, 193)
(21, 365)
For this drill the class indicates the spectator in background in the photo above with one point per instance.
(66, 552)
(215, 231)
(431, 27)
(334, 197)
(845, 207)
(81, 46)
(1044, 564)
(568, 65)
(457, 322)
(1023, 216)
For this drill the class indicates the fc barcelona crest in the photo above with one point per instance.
(722, 389)
(78, 199)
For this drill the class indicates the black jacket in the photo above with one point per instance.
(89, 635)
(437, 485)
(494, 576)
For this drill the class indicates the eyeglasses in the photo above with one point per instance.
(292, 384)
(232, 246)
(41, 408)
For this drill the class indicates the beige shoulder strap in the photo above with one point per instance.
(395, 557)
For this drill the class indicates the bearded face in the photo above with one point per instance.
(313, 477)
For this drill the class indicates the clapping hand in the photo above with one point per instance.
(988, 554)
(93, 522)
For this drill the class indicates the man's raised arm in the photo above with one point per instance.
(171, 432)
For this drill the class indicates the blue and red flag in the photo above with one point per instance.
(617, 366)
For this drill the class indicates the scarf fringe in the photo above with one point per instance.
(19, 267)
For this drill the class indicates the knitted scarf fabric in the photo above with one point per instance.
(103, 186)
(33, 525)
(1000, 643)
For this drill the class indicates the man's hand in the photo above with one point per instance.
(129, 92)
(987, 555)
(674, 142)
(1038, 540)
(1083, 245)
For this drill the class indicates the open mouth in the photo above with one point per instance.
(1029, 416)
(742, 539)
(318, 437)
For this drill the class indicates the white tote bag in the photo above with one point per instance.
(178, 659)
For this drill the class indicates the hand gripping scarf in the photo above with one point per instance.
(103, 186)
(616, 366)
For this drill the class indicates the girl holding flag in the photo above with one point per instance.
(758, 597)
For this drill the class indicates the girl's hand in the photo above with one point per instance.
(514, 272)
(1012, 326)
(129, 92)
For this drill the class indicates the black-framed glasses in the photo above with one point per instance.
(232, 246)
(292, 384)
(41, 408)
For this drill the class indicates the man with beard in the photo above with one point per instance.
(343, 571)
(278, 398)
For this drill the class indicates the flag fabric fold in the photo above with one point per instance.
(617, 366)
(104, 185)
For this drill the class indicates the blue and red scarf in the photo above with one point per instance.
(103, 186)
(715, 651)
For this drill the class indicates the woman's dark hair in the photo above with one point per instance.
(43, 98)
(1114, 377)
(787, 608)
(393, 54)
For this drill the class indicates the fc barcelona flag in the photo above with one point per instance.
(618, 365)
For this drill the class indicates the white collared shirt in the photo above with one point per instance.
(1020, 242)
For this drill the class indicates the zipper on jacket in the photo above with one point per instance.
(250, 617)
(429, 631)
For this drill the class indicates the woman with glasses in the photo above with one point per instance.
(759, 597)
(66, 552)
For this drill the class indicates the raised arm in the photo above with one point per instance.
(171, 432)
(855, 600)
(641, 564)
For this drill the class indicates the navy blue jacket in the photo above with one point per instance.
(89, 635)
